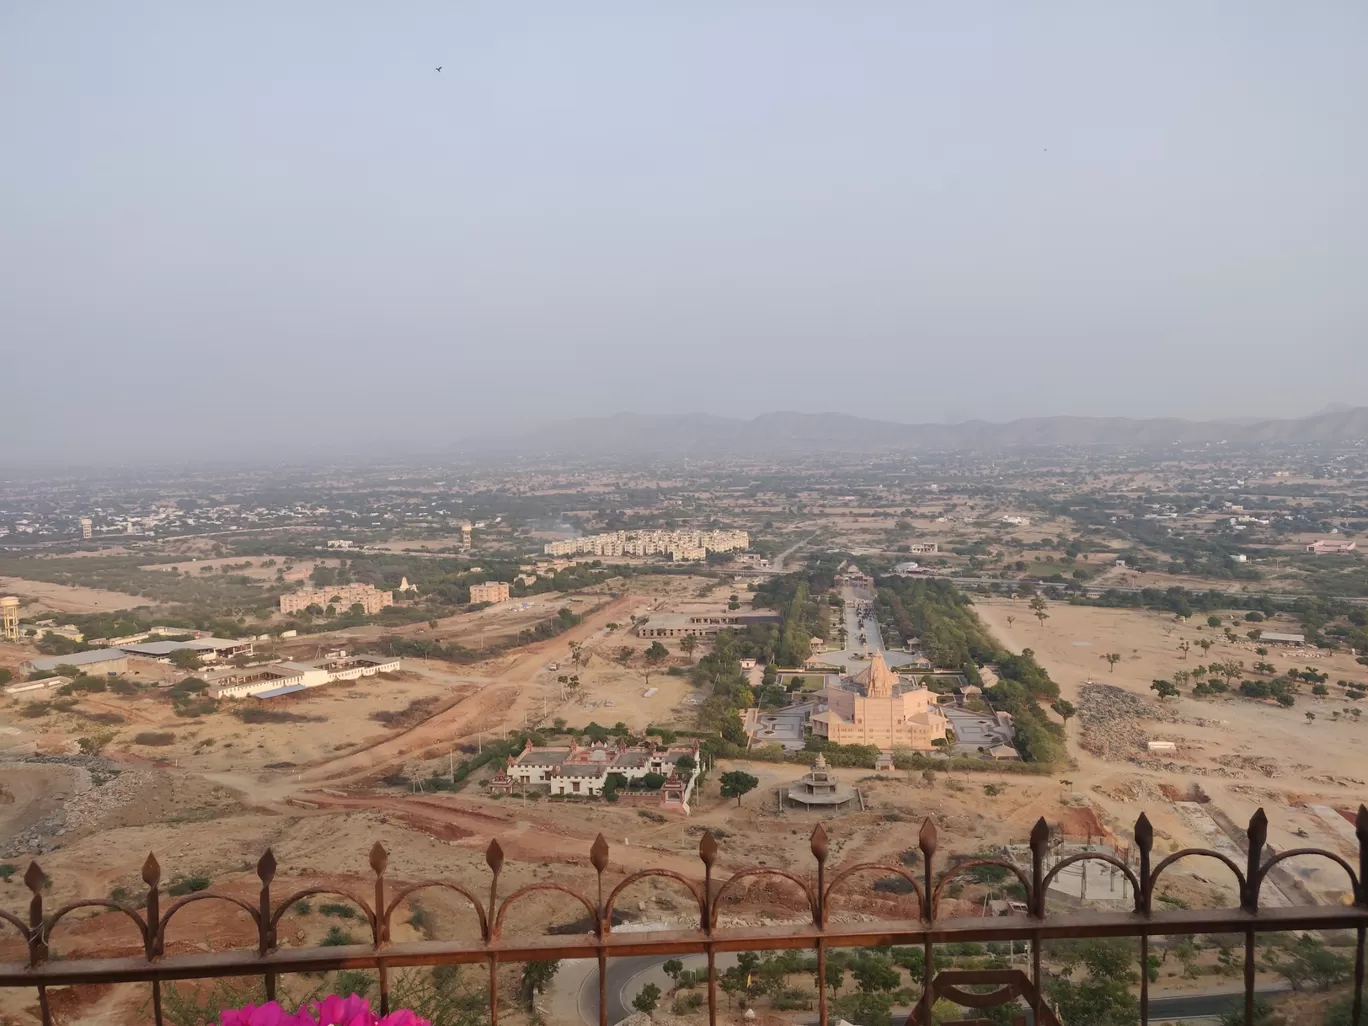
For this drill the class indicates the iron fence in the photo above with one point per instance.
(820, 890)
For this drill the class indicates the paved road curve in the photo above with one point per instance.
(626, 977)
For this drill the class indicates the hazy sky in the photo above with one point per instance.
(229, 226)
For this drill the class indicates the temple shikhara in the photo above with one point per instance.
(877, 707)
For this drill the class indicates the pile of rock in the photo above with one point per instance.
(87, 808)
(1109, 721)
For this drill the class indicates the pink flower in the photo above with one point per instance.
(331, 1011)
(339, 1011)
(402, 1017)
(269, 1014)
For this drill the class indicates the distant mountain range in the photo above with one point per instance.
(696, 434)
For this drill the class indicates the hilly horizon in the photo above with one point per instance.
(699, 434)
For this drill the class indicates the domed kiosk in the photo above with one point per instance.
(818, 788)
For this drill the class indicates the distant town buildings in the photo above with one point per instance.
(87, 528)
(889, 714)
(1331, 547)
(489, 591)
(923, 548)
(276, 680)
(702, 625)
(577, 770)
(94, 662)
(341, 596)
(678, 545)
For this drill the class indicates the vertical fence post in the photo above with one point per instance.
(1256, 836)
(379, 859)
(598, 858)
(151, 875)
(927, 841)
(1144, 841)
(819, 846)
(266, 867)
(707, 852)
(1040, 843)
(494, 858)
(1360, 899)
(35, 879)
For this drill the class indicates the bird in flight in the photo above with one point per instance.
(439, 67)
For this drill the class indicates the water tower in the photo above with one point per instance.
(9, 618)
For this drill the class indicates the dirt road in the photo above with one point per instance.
(501, 703)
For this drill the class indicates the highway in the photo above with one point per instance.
(626, 977)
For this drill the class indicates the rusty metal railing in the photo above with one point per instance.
(819, 890)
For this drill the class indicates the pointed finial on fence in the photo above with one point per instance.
(707, 849)
(379, 858)
(34, 878)
(1258, 829)
(1040, 835)
(598, 854)
(494, 856)
(1144, 840)
(151, 871)
(819, 843)
(1144, 833)
(928, 838)
(266, 866)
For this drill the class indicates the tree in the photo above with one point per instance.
(1310, 717)
(185, 659)
(647, 1000)
(535, 978)
(1102, 997)
(624, 654)
(684, 765)
(657, 653)
(736, 783)
(873, 974)
(1184, 646)
(673, 967)
(687, 644)
(1038, 608)
(1010, 620)
(1308, 960)
(1165, 689)
(1205, 645)
(1111, 659)
(1064, 709)
(94, 744)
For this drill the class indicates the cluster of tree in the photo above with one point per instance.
(799, 598)
(721, 670)
(938, 614)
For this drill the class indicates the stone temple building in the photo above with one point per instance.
(877, 707)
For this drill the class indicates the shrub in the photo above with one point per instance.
(341, 911)
(188, 885)
(35, 709)
(337, 938)
(686, 1003)
(154, 738)
(256, 714)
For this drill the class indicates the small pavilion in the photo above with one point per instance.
(818, 788)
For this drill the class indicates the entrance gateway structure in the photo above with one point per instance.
(818, 788)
